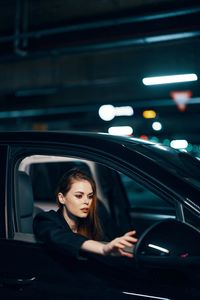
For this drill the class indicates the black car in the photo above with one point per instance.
(142, 185)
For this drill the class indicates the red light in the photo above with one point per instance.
(144, 137)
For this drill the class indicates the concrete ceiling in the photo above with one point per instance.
(60, 60)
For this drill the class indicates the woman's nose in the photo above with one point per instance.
(86, 200)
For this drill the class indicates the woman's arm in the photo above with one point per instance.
(51, 228)
(116, 247)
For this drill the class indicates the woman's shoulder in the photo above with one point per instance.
(47, 215)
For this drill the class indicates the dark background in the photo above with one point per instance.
(60, 60)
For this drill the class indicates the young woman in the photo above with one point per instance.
(75, 226)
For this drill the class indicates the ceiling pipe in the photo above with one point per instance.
(124, 43)
(102, 23)
(107, 45)
(20, 25)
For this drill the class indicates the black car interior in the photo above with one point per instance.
(25, 201)
(35, 192)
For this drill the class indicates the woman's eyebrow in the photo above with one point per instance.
(81, 192)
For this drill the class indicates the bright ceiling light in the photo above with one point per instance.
(120, 130)
(108, 112)
(169, 79)
(157, 126)
(124, 111)
(179, 144)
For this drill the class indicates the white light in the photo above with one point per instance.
(179, 144)
(120, 130)
(158, 248)
(145, 296)
(169, 79)
(124, 111)
(161, 147)
(157, 126)
(107, 112)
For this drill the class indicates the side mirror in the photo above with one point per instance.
(167, 244)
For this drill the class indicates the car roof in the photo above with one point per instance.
(130, 150)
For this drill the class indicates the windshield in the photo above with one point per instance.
(177, 162)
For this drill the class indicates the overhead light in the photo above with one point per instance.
(169, 79)
(149, 114)
(108, 112)
(123, 111)
(179, 144)
(157, 126)
(120, 130)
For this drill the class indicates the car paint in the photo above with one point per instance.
(104, 277)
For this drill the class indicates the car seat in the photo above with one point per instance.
(25, 202)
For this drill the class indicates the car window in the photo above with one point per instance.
(122, 203)
(140, 196)
(191, 219)
(38, 175)
(146, 208)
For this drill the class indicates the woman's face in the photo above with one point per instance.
(79, 198)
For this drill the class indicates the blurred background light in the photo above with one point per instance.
(169, 79)
(166, 142)
(179, 144)
(189, 147)
(157, 126)
(154, 139)
(149, 114)
(144, 137)
(123, 111)
(120, 130)
(108, 112)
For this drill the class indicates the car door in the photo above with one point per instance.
(29, 270)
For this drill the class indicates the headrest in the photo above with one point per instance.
(45, 177)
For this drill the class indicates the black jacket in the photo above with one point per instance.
(52, 229)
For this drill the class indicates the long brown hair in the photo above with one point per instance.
(90, 226)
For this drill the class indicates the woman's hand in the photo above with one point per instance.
(117, 247)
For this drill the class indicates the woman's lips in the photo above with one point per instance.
(85, 210)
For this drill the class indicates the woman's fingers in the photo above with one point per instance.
(130, 239)
(130, 233)
(118, 245)
(124, 253)
(126, 243)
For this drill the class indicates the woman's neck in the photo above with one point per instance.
(70, 219)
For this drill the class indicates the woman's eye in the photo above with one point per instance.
(79, 196)
(90, 197)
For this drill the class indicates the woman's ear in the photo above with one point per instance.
(61, 198)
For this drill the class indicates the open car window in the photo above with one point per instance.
(123, 204)
(146, 208)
